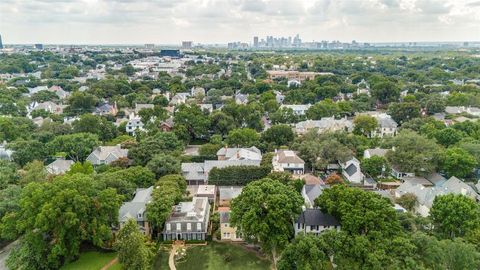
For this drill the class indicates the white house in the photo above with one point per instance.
(325, 124)
(314, 221)
(297, 109)
(134, 124)
(287, 160)
(351, 171)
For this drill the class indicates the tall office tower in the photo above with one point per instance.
(149, 46)
(186, 45)
(255, 42)
(1, 44)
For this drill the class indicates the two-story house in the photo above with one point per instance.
(287, 160)
(106, 154)
(227, 232)
(315, 221)
(136, 209)
(189, 221)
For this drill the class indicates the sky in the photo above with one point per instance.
(222, 21)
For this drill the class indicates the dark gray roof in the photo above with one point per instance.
(313, 191)
(311, 217)
(351, 170)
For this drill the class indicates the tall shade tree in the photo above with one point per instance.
(365, 125)
(133, 250)
(278, 135)
(56, 217)
(455, 215)
(193, 119)
(27, 151)
(404, 111)
(359, 212)
(458, 162)
(162, 164)
(265, 211)
(163, 142)
(95, 124)
(243, 137)
(375, 166)
(76, 146)
(414, 153)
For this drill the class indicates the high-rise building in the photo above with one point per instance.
(149, 46)
(186, 45)
(38, 46)
(255, 42)
(1, 44)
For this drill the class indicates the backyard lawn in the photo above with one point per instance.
(92, 260)
(220, 256)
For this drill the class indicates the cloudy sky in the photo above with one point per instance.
(221, 21)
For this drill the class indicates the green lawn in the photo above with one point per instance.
(220, 256)
(92, 260)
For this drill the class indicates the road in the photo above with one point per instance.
(4, 254)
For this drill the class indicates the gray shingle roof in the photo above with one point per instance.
(313, 217)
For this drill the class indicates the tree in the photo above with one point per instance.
(33, 172)
(278, 135)
(8, 173)
(448, 136)
(374, 166)
(360, 212)
(80, 103)
(265, 211)
(162, 164)
(85, 167)
(434, 103)
(168, 192)
(221, 123)
(404, 111)
(163, 142)
(237, 175)
(414, 153)
(126, 181)
(27, 151)
(132, 248)
(365, 125)
(458, 162)
(385, 91)
(324, 108)
(333, 179)
(209, 149)
(305, 252)
(56, 217)
(243, 137)
(455, 215)
(408, 201)
(90, 123)
(76, 146)
(193, 119)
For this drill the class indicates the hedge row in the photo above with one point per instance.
(236, 175)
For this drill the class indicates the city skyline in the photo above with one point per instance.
(220, 22)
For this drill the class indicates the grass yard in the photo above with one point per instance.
(92, 260)
(220, 256)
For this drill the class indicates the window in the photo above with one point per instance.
(189, 226)
(225, 225)
(179, 227)
(199, 226)
(169, 227)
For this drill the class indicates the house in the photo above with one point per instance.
(107, 154)
(297, 109)
(197, 173)
(475, 111)
(106, 109)
(134, 124)
(241, 99)
(59, 166)
(226, 231)
(351, 171)
(279, 97)
(397, 173)
(310, 193)
(293, 83)
(315, 221)
(386, 125)
(251, 153)
(227, 194)
(136, 209)
(207, 191)
(62, 94)
(206, 107)
(189, 221)
(287, 160)
(34, 90)
(139, 107)
(426, 195)
(167, 125)
(197, 91)
(379, 152)
(326, 124)
(5, 154)
(294, 75)
(179, 98)
(309, 179)
(48, 106)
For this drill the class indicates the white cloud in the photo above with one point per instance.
(170, 21)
